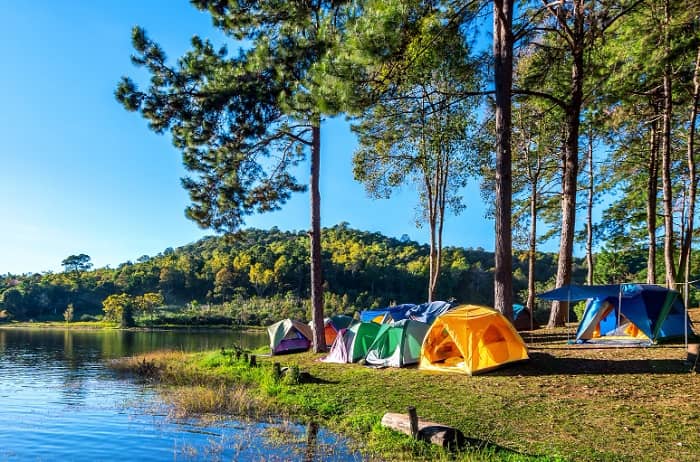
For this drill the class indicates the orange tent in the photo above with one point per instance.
(332, 325)
(471, 339)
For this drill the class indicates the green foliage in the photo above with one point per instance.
(613, 267)
(77, 263)
(225, 118)
(362, 270)
(578, 309)
(119, 308)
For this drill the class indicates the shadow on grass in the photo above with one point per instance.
(546, 364)
(486, 448)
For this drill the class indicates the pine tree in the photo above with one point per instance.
(242, 122)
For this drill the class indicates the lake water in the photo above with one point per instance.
(58, 401)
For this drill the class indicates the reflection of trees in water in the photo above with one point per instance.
(74, 391)
(74, 349)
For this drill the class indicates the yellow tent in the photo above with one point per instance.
(471, 339)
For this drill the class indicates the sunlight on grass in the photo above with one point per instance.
(566, 403)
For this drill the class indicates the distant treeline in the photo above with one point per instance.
(362, 270)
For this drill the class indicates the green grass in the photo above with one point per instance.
(566, 403)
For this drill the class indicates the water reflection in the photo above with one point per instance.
(58, 402)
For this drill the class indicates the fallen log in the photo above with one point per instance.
(441, 435)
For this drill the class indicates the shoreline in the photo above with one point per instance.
(99, 325)
(551, 408)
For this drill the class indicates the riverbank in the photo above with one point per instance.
(106, 325)
(87, 325)
(566, 403)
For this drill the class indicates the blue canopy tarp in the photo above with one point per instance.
(656, 311)
(575, 293)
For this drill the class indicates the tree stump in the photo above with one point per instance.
(276, 371)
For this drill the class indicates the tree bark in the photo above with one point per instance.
(560, 310)
(589, 212)
(670, 267)
(432, 219)
(319, 340)
(686, 249)
(532, 254)
(652, 192)
(503, 77)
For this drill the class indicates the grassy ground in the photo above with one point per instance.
(566, 403)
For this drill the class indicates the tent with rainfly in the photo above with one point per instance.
(425, 312)
(352, 344)
(471, 339)
(522, 318)
(397, 344)
(332, 325)
(623, 312)
(288, 336)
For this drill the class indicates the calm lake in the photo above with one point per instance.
(58, 401)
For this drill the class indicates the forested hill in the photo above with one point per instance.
(361, 270)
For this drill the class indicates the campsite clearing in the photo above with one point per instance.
(566, 403)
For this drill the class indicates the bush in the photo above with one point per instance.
(90, 318)
(578, 310)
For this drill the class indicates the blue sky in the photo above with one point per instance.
(81, 175)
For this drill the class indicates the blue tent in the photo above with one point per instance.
(522, 318)
(633, 310)
(425, 312)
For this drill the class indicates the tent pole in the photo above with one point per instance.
(685, 309)
(619, 307)
(568, 315)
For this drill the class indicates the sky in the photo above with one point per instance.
(79, 174)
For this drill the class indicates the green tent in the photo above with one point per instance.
(397, 345)
(351, 344)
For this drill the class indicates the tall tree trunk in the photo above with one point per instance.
(666, 153)
(686, 248)
(532, 253)
(433, 198)
(560, 310)
(589, 212)
(441, 191)
(319, 339)
(503, 77)
(652, 194)
(432, 277)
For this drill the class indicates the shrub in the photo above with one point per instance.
(90, 317)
